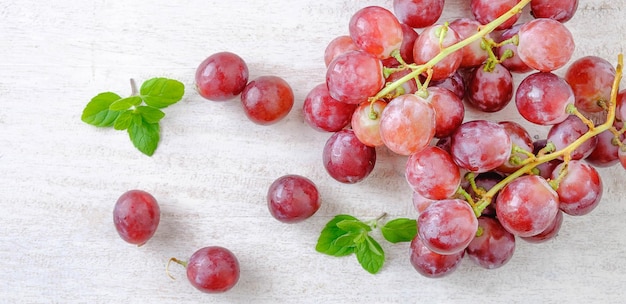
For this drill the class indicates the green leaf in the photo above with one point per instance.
(354, 226)
(123, 120)
(334, 240)
(400, 230)
(370, 255)
(150, 114)
(161, 92)
(125, 103)
(144, 135)
(97, 111)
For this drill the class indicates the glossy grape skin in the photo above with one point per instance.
(431, 264)
(580, 190)
(293, 198)
(605, 153)
(354, 76)
(551, 232)
(136, 216)
(527, 205)
(568, 131)
(213, 269)
(337, 46)
(486, 11)
(494, 247)
(221, 76)
(454, 83)
(409, 35)
(407, 124)
(447, 226)
(591, 79)
(376, 30)
(519, 137)
(513, 64)
(346, 159)
(449, 110)
(428, 45)
(545, 44)
(544, 169)
(620, 111)
(324, 113)
(473, 54)
(366, 129)
(480, 146)
(267, 99)
(542, 98)
(432, 173)
(408, 87)
(418, 13)
(420, 203)
(490, 91)
(559, 10)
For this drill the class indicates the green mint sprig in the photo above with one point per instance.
(138, 114)
(344, 235)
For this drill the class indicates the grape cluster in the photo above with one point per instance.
(478, 185)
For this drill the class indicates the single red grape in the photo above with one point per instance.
(447, 226)
(550, 232)
(339, 45)
(490, 90)
(376, 30)
(494, 246)
(136, 216)
(568, 131)
(418, 13)
(591, 79)
(520, 138)
(559, 10)
(221, 76)
(324, 113)
(432, 173)
(407, 124)
(580, 190)
(366, 122)
(542, 98)
(354, 76)
(480, 145)
(605, 153)
(293, 198)
(213, 269)
(473, 54)
(545, 44)
(449, 110)
(347, 159)
(267, 99)
(431, 264)
(429, 44)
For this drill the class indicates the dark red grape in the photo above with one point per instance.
(213, 269)
(514, 64)
(418, 13)
(347, 159)
(267, 99)
(490, 90)
(549, 233)
(580, 190)
(486, 11)
(568, 131)
(605, 152)
(494, 246)
(480, 146)
(136, 216)
(431, 264)
(221, 76)
(449, 110)
(324, 113)
(409, 35)
(454, 83)
(293, 198)
(559, 10)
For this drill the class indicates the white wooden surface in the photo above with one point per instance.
(59, 177)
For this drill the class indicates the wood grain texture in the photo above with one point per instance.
(59, 177)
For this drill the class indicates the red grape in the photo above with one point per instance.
(420, 203)
(486, 11)
(213, 269)
(490, 91)
(549, 233)
(409, 35)
(366, 129)
(431, 264)
(480, 146)
(338, 46)
(324, 113)
(347, 159)
(527, 205)
(580, 190)
(545, 44)
(293, 198)
(376, 30)
(494, 246)
(221, 76)
(605, 152)
(449, 110)
(591, 79)
(354, 76)
(544, 169)
(473, 54)
(418, 13)
(519, 137)
(136, 216)
(485, 181)
(568, 131)
(447, 226)
(559, 10)
(454, 83)
(621, 154)
(432, 173)
(267, 99)
(429, 45)
(542, 98)
(514, 63)
(620, 111)
(407, 124)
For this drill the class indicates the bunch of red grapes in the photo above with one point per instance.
(478, 185)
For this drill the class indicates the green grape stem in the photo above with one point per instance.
(565, 152)
(445, 52)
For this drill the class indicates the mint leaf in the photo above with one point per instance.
(370, 255)
(150, 114)
(123, 120)
(161, 92)
(354, 226)
(97, 111)
(125, 103)
(400, 230)
(144, 135)
(334, 240)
